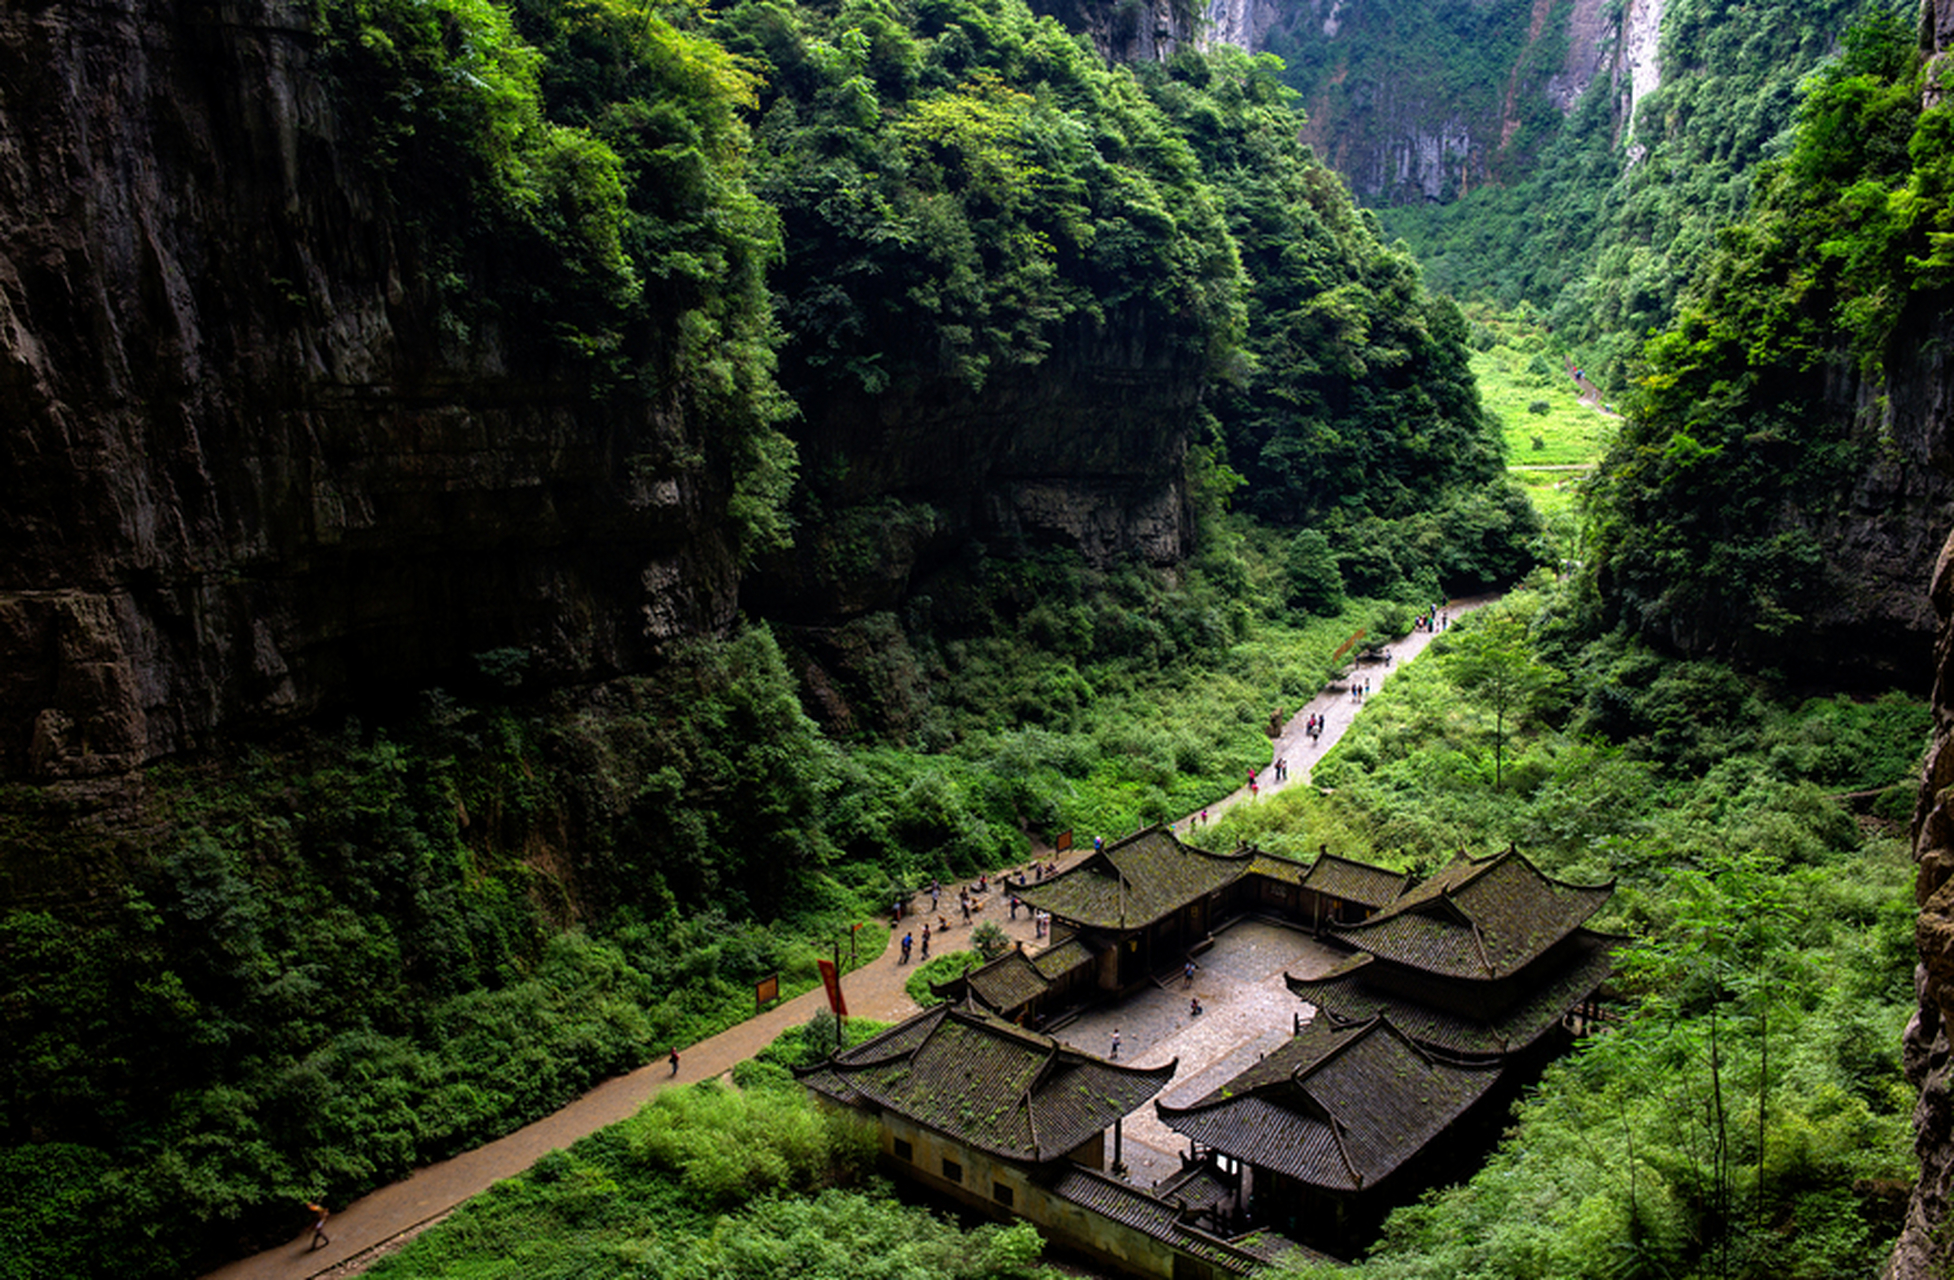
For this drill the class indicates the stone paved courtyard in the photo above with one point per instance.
(1246, 1012)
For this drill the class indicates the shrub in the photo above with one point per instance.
(990, 939)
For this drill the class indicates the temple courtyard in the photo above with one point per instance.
(1246, 1012)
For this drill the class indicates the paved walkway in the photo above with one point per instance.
(1338, 709)
(362, 1230)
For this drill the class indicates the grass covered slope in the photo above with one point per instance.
(1744, 1112)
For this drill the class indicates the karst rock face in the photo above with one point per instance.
(1083, 450)
(247, 471)
(1411, 137)
(253, 473)
(1923, 390)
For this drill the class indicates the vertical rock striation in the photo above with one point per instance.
(249, 472)
(1415, 134)
(1922, 392)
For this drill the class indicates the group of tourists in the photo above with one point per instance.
(1314, 726)
(1433, 620)
(909, 943)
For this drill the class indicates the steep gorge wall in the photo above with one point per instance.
(1390, 110)
(256, 471)
(249, 472)
(1923, 1249)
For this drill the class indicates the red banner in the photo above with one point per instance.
(831, 979)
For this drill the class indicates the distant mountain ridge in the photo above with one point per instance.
(1393, 106)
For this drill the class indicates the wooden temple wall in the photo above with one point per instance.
(1004, 1191)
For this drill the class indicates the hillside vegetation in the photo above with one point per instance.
(1608, 229)
(308, 963)
(1741, 1112)
(1745, 443)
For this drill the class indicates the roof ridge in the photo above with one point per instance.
(1479, 945)
(1357, 1032)
(1343, 1152)
(1030, 1089)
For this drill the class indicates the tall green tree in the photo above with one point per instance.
(1492, 662)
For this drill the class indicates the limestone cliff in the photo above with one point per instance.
(1130, 31)
(255, 470)
(248, 472)
(1426, 104)
(1924, 391)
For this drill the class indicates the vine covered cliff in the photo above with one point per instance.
(275, 443)
(451, 444)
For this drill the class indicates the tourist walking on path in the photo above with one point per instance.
(1321, 722)
(319, 1237)
(874, 990)
(674, 1059)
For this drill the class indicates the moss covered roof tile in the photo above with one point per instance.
(1347, 995)
(1336, 1107)
(1135, 881)
(989, 1085)
(1483, 919)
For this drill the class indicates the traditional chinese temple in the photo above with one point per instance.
(1013, 1124)
(1484, 959)
(1141, 905)
(1329, 1123)
(1395, 1083)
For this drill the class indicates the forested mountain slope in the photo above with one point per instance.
(1772, 498)
(409, 399)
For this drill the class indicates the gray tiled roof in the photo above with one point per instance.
(1134, 882)
(1008, 981)
(1477, 919)
(1357, 882)
(991, 1086)
(1345, 994)
(1337, 1107)
(1278, 868)
(1063, 958)
(1144, 877)
(1149, 1215)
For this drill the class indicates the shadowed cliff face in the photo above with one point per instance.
(1923, 392)
(249, 471)
(1083, 450)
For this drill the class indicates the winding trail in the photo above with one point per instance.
(383, 1220)
(1339, 711)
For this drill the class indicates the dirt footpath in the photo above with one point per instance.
(373, 1225)
(1339, 711)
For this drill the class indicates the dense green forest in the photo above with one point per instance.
(322, 959)
(318, 960)
(1608, 225)
(1740, 416)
